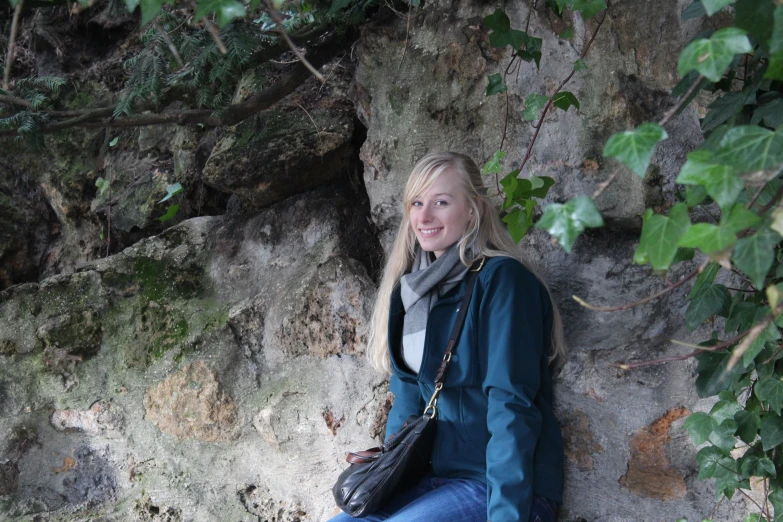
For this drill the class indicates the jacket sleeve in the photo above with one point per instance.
(407, 401)
(511, 338)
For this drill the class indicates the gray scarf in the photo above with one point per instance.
(420, 290)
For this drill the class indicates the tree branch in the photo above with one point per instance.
(12, 44)
(294, 49)
(233, 114)
(13, 100)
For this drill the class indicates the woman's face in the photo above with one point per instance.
(440, 215)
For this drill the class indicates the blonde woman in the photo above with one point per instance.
(498, 452)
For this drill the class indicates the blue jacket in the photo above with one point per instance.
(495, 418)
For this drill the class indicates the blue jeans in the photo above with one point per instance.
(436, 499)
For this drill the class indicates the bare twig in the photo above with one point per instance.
(317, 132)
(13, 100)
(279, 23)
(407, 32)
(169, 43)
(772, 201)
(605, 183)
(12, 44)
(215, 33)
(673, 358)
(647, 299)
(753, 334)
(683, 99)
(559, 88)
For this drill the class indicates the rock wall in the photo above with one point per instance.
(213, 370)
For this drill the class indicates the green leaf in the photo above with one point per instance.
(725, 408)
(737, 218)
(532, 51)
(131, 5)
(589, 8)
(149, 9)
(706, 277)
(114, 142)
(564, 100)
(520, 220)
(713, 6)
(776, 499)
(566, 34)
(635, 148)
(719, 180)
(580, 66)
(770, 390)
(770, 114)
(756, 17)
(699, 426)
(171, 190)
(748, 424)
(708, 459)
(712, 57)
(754, 255)
(516, 39)
(565, 222)
(750, 148)
(714, 375)
(742, 315)
(493, 165)
(708, 238)
(694, 10)
(723, 435)
(775, 68)
(498, 21)
(533, 105)
(710, 300)
(102, 184)
(496, 85)
(771, 430)
(226, 10)
(695, 195)
(660, 235)
(170, 213)
(723, 108)
(541, 189)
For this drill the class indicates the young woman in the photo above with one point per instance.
(498, 452)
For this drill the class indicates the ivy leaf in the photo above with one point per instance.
(170, 213)
(114, 142)
(102, 184)
(723, 108)
(580, 66)
(719, 180)
(775, 68)
(714, 375)
(564, 100)
(493, 165)
(708, 238)
(226, 10)
(756, 17)
(699, 426)
(748, 424)
(741, 315)
(565, 222)
(498, 21)
(532, 51)
(533, 105)
(770, 390)
(566, 34)
(713, 6)
(706, 277)
(149, 9)
(737, 218)
(771, 430)
(496, 85)
(770, 114)
(519, 220)
(540, 190)
(516, 39)
(750, 148)
(171, 190)
(695, 195)
(712, 57)
(694, 10)
(754, 255)
(708, 459)
(660, 234)
(723, 435)
(710, 300)
(589, 8)
(635, 148)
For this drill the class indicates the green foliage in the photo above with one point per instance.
(711, 57)
(496, 84)
(564, 99)
(713, 6)
(660, 237)
(635, 148)
(565, 222)
(533, 105)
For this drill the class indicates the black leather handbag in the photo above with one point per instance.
(374, 474)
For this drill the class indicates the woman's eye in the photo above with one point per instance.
(416, 203)
(441, 203)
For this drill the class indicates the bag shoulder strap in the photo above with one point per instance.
(455, 331)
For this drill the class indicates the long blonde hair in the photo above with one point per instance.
(486, 235)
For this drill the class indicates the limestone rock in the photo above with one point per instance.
(258, 502)
(191, 403)
(100, 418)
